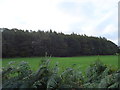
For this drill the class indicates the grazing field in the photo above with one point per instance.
(81, 62)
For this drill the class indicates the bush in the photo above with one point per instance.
(97, 75)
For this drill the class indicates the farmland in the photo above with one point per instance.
(81, 62)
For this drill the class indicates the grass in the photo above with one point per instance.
(82, 61)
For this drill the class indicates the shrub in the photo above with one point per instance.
(97, 75)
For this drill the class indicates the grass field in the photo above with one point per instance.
(82, 61)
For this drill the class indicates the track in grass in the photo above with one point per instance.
(82, 61)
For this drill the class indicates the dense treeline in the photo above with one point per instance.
(21, 43)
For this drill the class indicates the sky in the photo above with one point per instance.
(90, 17)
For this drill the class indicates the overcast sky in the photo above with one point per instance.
(90, 17)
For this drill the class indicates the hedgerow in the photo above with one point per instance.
(98, 75)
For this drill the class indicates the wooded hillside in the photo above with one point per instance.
(24, 43)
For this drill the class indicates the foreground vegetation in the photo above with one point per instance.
(97, 75)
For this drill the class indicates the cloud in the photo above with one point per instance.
(34, 14)
(99, 17)
(91, 17)
(109, 29)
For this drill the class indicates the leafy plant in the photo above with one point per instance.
(97, 75)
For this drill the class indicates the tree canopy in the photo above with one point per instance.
(25, 43)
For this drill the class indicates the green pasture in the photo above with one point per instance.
(81, 62)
